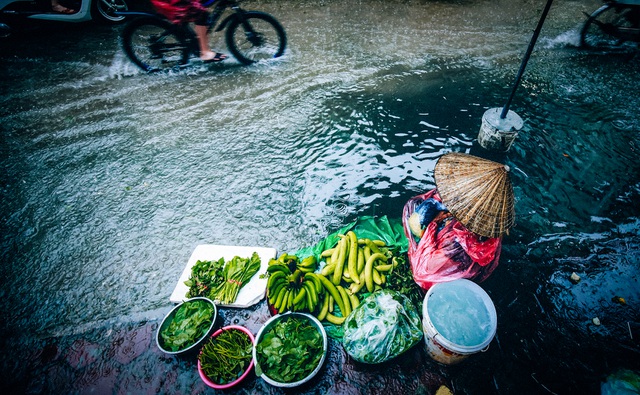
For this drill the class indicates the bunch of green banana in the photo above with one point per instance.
(359, 262)
(292, 284)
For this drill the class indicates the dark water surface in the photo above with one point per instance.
(110, 178)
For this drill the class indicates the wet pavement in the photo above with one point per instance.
(110, 178)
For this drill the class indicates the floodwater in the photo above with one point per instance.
(110, 178)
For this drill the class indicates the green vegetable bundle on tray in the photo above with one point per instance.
(221, 280)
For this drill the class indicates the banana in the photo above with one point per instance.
(289, 305)
(306, 269)
(333, 291)
(334, 319)
(311, 293)
(376, 277)
(352, 264)
(275, 290)
(345, 301)
(316, 282)
(379, 243)
(327, 253)
(355, 302)
(361, 261)
(300, 294)
(309, 262)
(384, 268)
(295, 277)
(337, 272)
(280, 298)
(368, 274)
(325, 307)
(369, 243)
(278, 267)
(328, 269)
(367, 253)
(358, 287)
(368, 270)
(274, 277)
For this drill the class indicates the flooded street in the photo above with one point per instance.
(111, 177)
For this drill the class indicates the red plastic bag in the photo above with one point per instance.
(447, 250)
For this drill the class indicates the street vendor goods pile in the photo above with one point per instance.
(365, 284)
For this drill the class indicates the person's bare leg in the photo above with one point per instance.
(203, 41)
(59, 8)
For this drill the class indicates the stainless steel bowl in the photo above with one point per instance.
(271, 322)
(169, 317)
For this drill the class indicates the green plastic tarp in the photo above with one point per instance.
(382, 228)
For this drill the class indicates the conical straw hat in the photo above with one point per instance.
(477, 192)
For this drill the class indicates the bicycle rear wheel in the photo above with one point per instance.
(259, 37)
(154, 45)
(609, 27)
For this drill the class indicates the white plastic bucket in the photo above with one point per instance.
(459, 319)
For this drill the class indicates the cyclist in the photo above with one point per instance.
(183, 11)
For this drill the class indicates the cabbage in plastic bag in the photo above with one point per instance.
(383, 326)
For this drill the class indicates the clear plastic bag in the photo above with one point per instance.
(384, 325)
(447, 250)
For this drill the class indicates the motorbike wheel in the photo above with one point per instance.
(259, 37)
(154, 44)
(103, 10)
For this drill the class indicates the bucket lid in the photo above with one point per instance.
(452, 308)
(477, 192)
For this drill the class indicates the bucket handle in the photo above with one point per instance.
(485, 349)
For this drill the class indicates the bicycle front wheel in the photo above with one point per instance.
(609, 27)
(258, 37)
(154, 45)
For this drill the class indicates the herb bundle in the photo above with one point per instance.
(290, 350)
(222, 280)
(225, 358)
(190, 322)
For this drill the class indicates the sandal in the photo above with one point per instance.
(217, 57)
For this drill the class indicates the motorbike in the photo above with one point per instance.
(19, 14)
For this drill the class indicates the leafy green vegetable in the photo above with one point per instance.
(227, 356)
(289, 350)
(189, 323)
(401, 280)
(205, 276)
(221, 281)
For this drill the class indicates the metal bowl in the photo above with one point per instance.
(270, 323)
(169, 317)
(206, 379)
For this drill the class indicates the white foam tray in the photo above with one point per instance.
(253, 292)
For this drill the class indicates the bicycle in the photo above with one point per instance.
(614, 25)
(154, 44)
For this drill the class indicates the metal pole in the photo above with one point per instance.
(523, 65)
